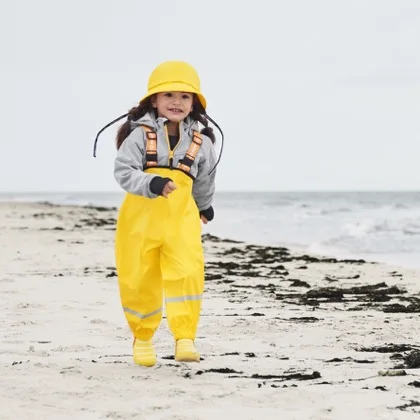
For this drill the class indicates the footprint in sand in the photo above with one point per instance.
(98, 321)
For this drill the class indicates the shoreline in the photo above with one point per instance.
(304, 249)
(282, 333)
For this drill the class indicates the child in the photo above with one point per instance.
(166, 166)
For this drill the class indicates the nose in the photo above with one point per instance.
(177, 99)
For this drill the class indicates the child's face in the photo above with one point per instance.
(175, 106)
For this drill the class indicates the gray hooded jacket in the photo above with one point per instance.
(131, 159)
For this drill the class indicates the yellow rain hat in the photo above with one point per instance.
(174, 76)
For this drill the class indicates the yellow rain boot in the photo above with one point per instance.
(186, 351)
(144, 353)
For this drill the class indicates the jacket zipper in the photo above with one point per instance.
(171, 152)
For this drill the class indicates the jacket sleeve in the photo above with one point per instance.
(204, 184)
(128, 165)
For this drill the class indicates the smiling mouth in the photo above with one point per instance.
(175, 110)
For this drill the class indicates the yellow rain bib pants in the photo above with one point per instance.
(159, 254)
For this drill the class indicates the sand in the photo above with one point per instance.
(282, 335)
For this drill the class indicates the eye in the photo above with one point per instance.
(168, 94)
(186, 96)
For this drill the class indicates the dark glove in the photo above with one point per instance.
(157, 184)
(208, 213)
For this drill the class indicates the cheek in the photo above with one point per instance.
(161, 104)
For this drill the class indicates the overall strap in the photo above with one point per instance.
(188, 160)
(186, 163)
(151, 146)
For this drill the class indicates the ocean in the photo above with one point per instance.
(376, 226)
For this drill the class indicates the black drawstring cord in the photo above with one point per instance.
(104, 128)
(223, 140)
(125, 115)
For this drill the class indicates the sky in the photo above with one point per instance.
(311, 95)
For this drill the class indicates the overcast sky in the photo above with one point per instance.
(312, 95)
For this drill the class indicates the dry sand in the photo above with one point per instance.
(282, 335)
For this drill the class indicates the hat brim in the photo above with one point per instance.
(176, 87)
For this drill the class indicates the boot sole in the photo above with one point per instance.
(188, 358)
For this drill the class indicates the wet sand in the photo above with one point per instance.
(282, 334)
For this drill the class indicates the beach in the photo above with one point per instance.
(283, 334)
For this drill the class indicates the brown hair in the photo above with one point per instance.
(198, 113)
